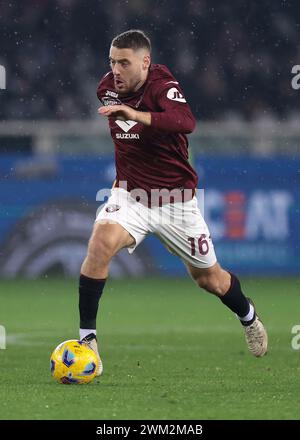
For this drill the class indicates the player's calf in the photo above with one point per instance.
(214, 279)
(105, 241)
(227, 287)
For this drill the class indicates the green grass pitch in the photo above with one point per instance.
(170, 351)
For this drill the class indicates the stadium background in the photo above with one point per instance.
(234, 63)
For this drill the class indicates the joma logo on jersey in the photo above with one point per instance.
(2, 78)
(175, 95)
(112, 94)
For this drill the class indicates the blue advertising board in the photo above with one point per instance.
(48, 206)
(252, 207)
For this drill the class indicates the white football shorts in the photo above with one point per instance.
(179, 226)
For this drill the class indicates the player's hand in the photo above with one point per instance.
(120, 112)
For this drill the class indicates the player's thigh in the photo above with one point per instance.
(125, 211)
(186, 235)
(108, 238)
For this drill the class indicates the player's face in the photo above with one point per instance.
(130, 68)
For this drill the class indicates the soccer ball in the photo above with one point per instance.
(73, 362)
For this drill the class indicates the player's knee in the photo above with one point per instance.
(101, 248)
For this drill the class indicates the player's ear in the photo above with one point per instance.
(146, 61)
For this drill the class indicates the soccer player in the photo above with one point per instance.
(154, 190)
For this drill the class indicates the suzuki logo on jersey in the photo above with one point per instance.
(126, 126)
(175, 95)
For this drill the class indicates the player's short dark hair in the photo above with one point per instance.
(133, 39)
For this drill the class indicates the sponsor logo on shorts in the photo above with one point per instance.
(112, 208)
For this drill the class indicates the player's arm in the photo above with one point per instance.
(125, 113)
(175, 115)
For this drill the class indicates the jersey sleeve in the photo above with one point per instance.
(175, 115)
(102, 87)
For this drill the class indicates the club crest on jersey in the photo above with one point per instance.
(110, 101)
(175, 95)
(112, 208)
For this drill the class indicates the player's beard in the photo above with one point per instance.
(128, 87)
(120, 86)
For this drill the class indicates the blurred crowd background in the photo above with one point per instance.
(234, 62)
(233, 59)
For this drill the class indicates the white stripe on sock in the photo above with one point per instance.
(83, 332)
(249, 315)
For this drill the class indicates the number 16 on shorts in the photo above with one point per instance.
(199, 245)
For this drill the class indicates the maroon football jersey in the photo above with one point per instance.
(156, 156)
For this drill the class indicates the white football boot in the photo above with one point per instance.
(91, 341)
(256, 336)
